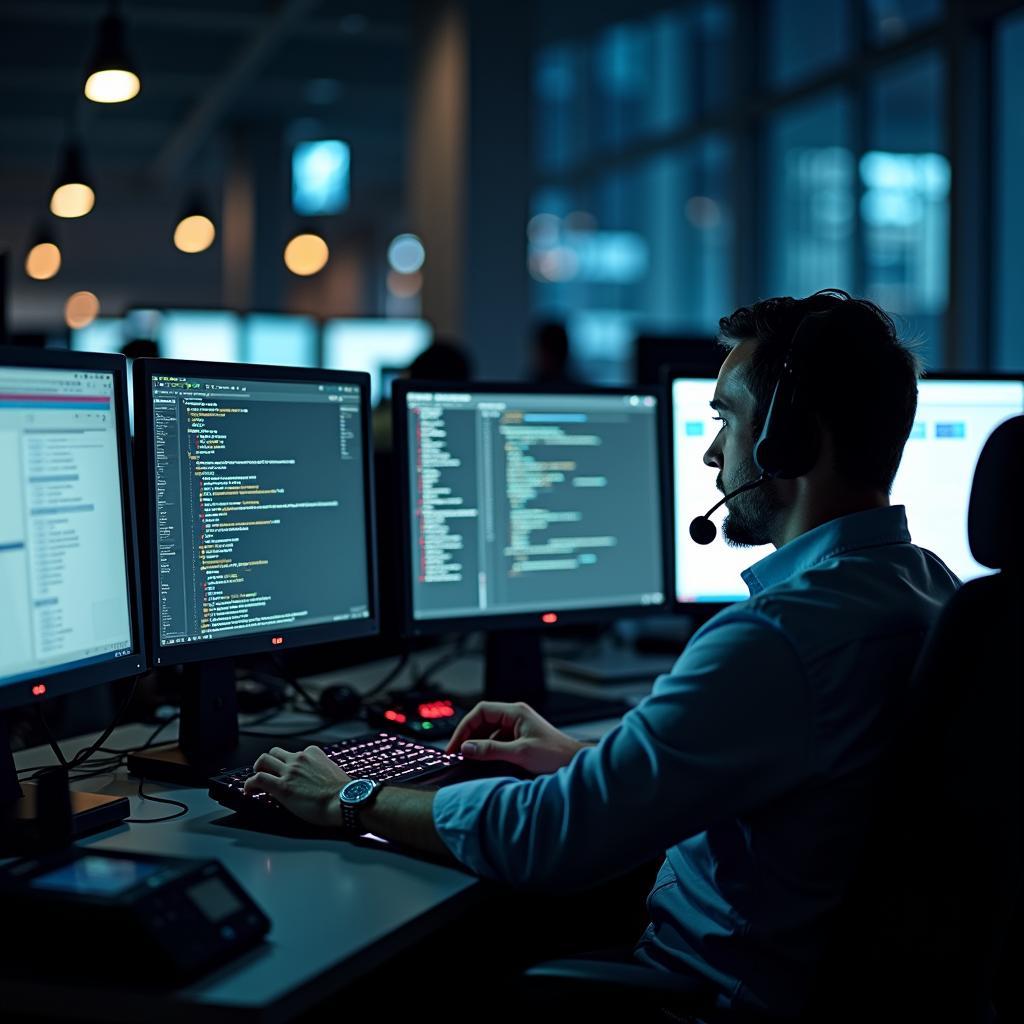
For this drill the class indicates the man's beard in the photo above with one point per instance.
(750, 514)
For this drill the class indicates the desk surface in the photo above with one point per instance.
(337, 909)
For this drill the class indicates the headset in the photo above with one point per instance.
(790, 439)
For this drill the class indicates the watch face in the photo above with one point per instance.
(358, 790)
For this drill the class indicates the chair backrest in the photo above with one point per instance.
(928, 916)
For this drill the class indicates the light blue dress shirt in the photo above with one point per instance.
(751, 764)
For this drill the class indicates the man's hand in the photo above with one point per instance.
(307, 783)
(513, 733)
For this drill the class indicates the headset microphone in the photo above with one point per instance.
(702, 530)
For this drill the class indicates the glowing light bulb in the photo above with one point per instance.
(194, 233)
(72, 199)
(112, 85)
(42, 261)
(306, 254)
(81, 309)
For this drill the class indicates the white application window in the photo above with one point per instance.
(62, 544)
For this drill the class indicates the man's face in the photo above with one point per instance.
(732, 454)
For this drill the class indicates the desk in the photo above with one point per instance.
(337, 909)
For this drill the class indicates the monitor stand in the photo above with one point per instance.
(208, 738)
(46, 815)
(515, 671)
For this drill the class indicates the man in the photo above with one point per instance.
(753, 763)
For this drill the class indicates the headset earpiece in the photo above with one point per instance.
(789, 442)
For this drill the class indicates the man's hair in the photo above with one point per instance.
(852, 371)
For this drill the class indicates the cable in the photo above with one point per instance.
(390, 677)
(86, 752)
(50, 738)
(294, 683)
(184, 808)
(457, 651)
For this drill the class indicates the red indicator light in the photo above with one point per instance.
(277, 640)
(394, 716)
(39, 690)
(549, 617)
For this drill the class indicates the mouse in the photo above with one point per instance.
(339, 701)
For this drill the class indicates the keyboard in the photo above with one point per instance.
(381, 756)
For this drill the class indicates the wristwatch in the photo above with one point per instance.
(354, 796)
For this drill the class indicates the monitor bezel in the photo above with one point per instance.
(62, 681)
(412, 627)
(670, 374)
(250, 643)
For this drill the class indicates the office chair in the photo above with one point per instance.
(929, 930)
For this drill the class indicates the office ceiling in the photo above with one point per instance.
(206, 66)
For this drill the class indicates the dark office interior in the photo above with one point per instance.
(512, 511)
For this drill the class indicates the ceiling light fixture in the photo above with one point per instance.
(112, 77)
(72, 194)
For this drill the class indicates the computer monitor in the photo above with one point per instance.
(374, 345)
(69, 603)
(281, 339)
(955, 415)
(525, 507)
(104, 334)
(700, 355)
(213, 335)
(256, 501)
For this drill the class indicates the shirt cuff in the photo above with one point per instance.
(458, 810)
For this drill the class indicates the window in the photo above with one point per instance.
(809, 223)
(656, 76)
(650, 249)
(890, 20)
(904, 203)
(681, 182)
(1008, 347)
(560, 107)
(320, 177)
(805, 39)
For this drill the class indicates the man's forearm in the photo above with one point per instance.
(407, 817)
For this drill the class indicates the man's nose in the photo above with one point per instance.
(712, 457)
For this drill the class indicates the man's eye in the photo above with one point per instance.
(718, 419)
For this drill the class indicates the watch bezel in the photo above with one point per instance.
(354, 802)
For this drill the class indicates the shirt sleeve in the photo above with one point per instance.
(727, 731)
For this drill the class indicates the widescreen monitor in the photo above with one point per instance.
(376, 346)
(955, 416)
(281, 339)
(528, 506)
(213, 335)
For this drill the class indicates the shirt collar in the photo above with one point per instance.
(874, 528)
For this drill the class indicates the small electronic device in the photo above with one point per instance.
(425, 715)
(160, 919)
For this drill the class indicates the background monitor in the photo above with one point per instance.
(955, 415)
(69, 600)
(213, 335)
(258, 508)
(104, 334)
(280, 339)
(525, 507)
(374, 345)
